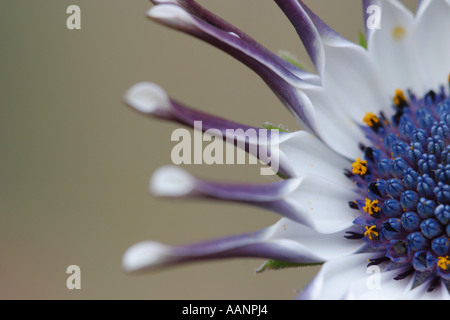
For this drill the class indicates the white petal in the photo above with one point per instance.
(147, 97)
(420, 293)
(306, 154)
(333, 280)
(392, 48)
(350, 278)
(172, 14)
(324, 204)
(433, 42)
(144, 254)
(378, 285)
(172, 181)
(310, 200)
(390, 289)
(353, 81)
(333, 124)
(323, 247)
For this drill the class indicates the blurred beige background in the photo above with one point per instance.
(76, 162)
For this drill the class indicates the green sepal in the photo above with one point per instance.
(291, 59)
(282, 176)
(362, 40)
(279, 265)
(270, 126)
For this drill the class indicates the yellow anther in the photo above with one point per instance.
(371, 232)
(399, 97)
(443, 262)
(359, 167)
(371, 207)
(371, 119)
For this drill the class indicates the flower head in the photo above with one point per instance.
(366, 184)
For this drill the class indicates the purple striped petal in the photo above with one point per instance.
(351, 83)
(312, 30)
(285, 240)
(307, 200)
(281, 77)
(197, 10)
(329, 112)
(305, 28)
(150, 99)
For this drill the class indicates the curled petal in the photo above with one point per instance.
(277, 73)
(197, 10)
(285, 240)
(346, 70)
(308, 200)
(333, 111)
(150, 99)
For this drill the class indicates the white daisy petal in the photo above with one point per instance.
(321, 201)
(354, 81)
(392, 49)
(420, 293)
(377, 285)
(306, 154)
(334, 125)
(333, 279)
(433, 42)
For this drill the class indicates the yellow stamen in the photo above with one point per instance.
(371, 207)
(359, 167)
(371, 119)
(443, 262)
(399, 97)
(371, 232)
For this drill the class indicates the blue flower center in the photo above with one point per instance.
(404, 179)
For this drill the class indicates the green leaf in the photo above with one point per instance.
(278, 265)
(362, 40)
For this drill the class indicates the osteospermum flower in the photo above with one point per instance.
(366, 183)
